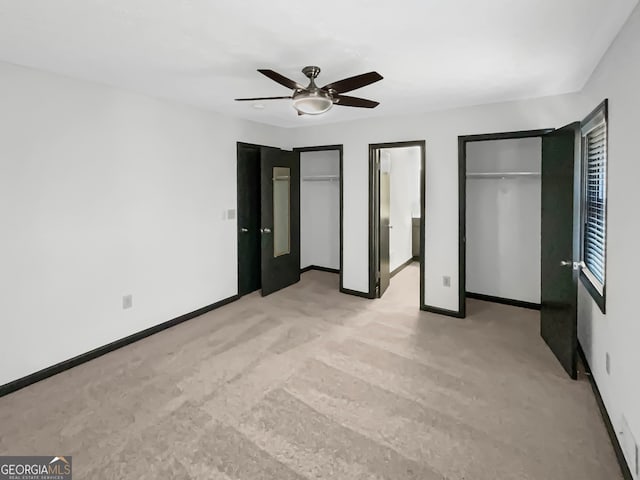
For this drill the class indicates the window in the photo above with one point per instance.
(594, 203)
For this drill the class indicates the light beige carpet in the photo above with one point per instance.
(309, 383)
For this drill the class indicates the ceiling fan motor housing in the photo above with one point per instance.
(312, 100)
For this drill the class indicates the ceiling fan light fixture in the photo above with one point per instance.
(312, 102)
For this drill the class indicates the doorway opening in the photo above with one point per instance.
(517, 227)
(503, 221)
(321, 205)
(396, 213)
(268, 218)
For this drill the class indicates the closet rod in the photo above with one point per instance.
(502, 174)
(321, 178)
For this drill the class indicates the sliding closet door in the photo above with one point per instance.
(280, 215)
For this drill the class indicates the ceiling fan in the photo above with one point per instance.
(312, 100)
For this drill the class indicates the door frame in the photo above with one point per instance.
(462, 204)
(339, 148)
(374, 209)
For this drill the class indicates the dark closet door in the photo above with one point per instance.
(558, 316)
(385, 227)
(280, 187)
(248, 219)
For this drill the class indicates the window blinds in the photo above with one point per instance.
(595, 144)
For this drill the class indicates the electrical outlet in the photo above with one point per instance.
(127, 301)
(231, 214)
(446, 281)
(608, 363)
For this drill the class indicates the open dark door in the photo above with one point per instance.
(280, 188)
(385, 226)
(249, 248)
(558, 316)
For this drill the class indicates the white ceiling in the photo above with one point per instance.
(433, 53)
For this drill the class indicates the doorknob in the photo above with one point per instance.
(574, 265)
(265, 230)
(244, 230)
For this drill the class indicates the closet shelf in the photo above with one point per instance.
(503, 174)
(321, 178)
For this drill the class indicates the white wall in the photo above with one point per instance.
(405, 201)
(618, 332)
(503, 220)
(440, 130)
(320, 210)
(105, 193)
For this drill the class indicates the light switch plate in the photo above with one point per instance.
(127, 302)
(231, 214)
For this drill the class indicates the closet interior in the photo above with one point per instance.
(320, 210)
(503, 205)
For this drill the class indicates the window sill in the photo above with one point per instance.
(599, 298)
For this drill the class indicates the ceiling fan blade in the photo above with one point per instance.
(282, 80)
(258, 98)
(347, 101)
(353, 83)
